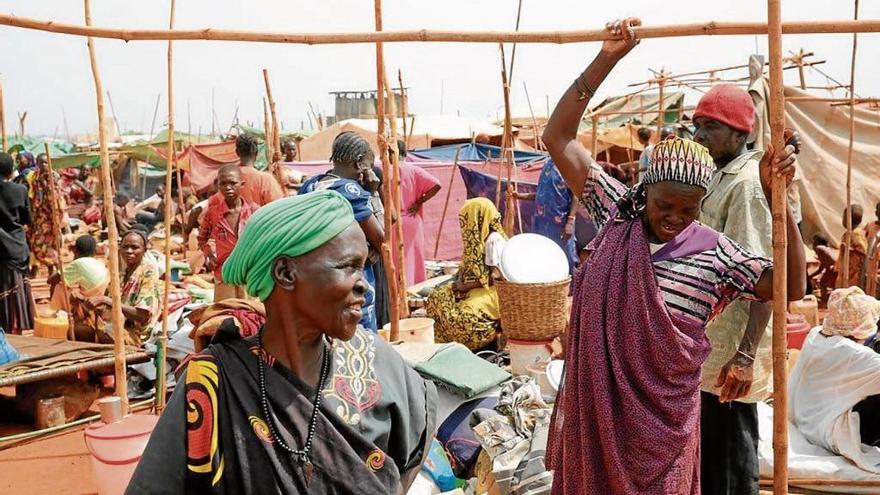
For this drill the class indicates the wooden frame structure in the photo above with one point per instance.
(774, 28)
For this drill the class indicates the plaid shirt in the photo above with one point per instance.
(214, 226)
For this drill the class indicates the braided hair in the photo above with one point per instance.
(349, 148)
(246, 145)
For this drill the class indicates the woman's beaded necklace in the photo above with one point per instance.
(302, 455)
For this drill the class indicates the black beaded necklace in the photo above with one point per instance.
(301, 456)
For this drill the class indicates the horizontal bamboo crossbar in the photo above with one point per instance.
(824, 482)
(710, 28)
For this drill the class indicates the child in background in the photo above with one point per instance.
(858, 250)
(223, 221)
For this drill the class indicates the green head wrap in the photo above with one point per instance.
(286, 227)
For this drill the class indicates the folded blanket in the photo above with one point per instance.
(455, 367)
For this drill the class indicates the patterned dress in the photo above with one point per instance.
(140, 290)
(635, 351)
(41, 235)
(473, 320)
(375, 423)
(697, 286)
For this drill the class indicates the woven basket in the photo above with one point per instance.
(533, 311)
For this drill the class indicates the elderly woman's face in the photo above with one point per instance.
(132, 250)
(330, 288)
(670, 208)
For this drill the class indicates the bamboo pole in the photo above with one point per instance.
(21, 119)
(396, 206)
(57, 217)
(112, 233)
(404, 103)
(507, 152)
(594, 139)
(388, 198)
(849, 154)
(446, 203)
(804, 482)
(777, 125)
(710, 28)
(3, 121)
(661, 115)
(267, 132)
(169, 164)
(276, 137)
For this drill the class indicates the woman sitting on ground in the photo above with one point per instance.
(627, 418)
(467, 311)
(834, 391)
(247, 418)
(141, 299)
(86, 276)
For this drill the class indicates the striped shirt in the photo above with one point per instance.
(698, 286)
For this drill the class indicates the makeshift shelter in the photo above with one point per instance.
(423, 131)
(824, 133)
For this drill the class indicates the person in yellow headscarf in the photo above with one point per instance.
(467, 311)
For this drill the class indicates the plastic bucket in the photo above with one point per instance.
(809, 307)
(796, 330)
(116, 449)
(415, 330)
(524, 353)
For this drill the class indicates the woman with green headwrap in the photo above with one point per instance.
(312, 403)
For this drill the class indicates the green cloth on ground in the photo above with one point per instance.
(87, 272)
(286, 227)
(455, 367)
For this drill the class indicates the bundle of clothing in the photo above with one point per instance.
(514, 435)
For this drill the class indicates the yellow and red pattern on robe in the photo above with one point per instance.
(202, 383)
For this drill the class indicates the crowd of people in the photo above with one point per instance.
(667, 353)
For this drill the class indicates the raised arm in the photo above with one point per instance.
(783, 164)
(560, 135)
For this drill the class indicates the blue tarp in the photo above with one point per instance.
(480, 185)
(473, 152)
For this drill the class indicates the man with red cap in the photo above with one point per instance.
(734, 205)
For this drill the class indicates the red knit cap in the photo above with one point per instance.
(728, 104)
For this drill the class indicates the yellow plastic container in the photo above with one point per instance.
(808, 307)
(52, 326)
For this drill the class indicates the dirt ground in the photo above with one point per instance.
(58, 465)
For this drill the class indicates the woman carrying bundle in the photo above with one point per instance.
(628, 418)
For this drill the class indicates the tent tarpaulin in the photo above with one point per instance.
(649, 103)
(35, 145)
(824, 134)
(474, 179)
(423, 131)
(474, 152)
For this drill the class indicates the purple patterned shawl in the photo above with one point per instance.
(628, 418)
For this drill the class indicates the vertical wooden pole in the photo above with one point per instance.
(849, 155)
(594, 140)
(446, 204)
(507, 151)
(388, 198)
(405, 104)
(57, 217)
(661, 115)
(112, 234)
(276, 135)
(780, 241)
(169, 165)
(267, 131)
(396, 206)
(3, 121)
